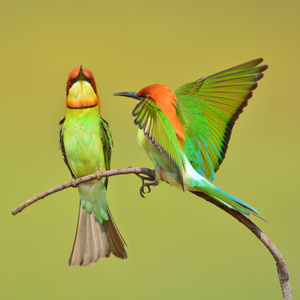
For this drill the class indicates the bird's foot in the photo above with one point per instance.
(73, 183)
(146, 184)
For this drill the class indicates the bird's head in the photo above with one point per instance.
(158, 93)
(81, 89)
(165, 99)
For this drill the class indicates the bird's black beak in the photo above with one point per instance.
(81, 76)
(133, 95)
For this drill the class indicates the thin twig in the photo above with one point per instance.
(75, 182)
(282, 269)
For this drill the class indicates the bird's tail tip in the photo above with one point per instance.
(94, 241)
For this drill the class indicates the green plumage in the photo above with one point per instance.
(156, 126)
(87, 145)
(208, 108)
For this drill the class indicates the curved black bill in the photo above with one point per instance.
(81, 75)
(133, 95)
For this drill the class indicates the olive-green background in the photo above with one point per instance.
(179, 246)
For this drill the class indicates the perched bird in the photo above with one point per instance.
(86, 145)
(186, 133)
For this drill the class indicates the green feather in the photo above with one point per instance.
(107, 142)
(86, 144)
(208, 109)
(157, 127)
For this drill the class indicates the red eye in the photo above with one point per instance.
(90, 80)
(146, 96)
(71, 82)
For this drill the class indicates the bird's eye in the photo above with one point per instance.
(72, 81)
(90, 80)
(146, 96)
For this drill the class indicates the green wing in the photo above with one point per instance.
(62, 146)
(208, 109)
(107, 143)
(157, 127)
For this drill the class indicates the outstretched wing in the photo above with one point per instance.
(208, 109)
(157, 127)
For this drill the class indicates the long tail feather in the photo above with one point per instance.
(200, 186)
(226, 199)
(94, 241)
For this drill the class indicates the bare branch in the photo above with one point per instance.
(75, 182)
(282, 269)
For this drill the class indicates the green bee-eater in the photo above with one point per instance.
(86, 145)
(186, 133)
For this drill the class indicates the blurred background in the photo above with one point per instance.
(179, 246)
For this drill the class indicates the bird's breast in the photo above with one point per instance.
(83, 145)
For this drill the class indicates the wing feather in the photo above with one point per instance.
(157, 127)
(208, 109)
(107, 143)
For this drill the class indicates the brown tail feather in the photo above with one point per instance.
(94, 241)
(114, 237)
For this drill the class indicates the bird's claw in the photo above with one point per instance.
(148, 184)
(142, 190)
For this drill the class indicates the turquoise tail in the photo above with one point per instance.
(205, 188)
